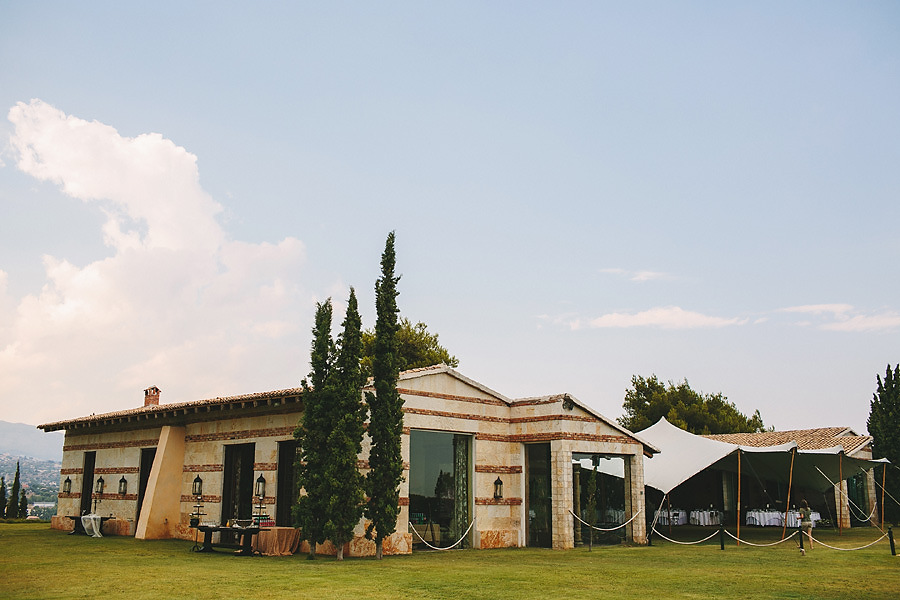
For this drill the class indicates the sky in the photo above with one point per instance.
(581, 193)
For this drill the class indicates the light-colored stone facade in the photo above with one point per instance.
(190, 439)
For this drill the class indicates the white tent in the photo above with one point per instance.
(683, 455)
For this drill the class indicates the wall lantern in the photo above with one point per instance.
(123, 486)
(67, 486)
(100, 483)
(498, 488)
(261, 486)
(197, 487)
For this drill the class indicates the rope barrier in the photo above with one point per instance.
(840, 489)
(712, 535)
(448, 547)
(612, 528)
(760, 545)
(848, 549)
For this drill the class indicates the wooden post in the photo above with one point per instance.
(841, 493)
(738, 511)
(787, 504)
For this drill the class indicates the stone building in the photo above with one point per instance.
(477, 465)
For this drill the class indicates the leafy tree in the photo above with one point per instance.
(346, 413)
(312, 434)
(12, 505)
(2, 496)
(884, 427)
(649, 399)
(416, 347)
(385, 409)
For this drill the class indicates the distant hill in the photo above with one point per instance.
(19, 439)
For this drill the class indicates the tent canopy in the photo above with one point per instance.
(683, 455)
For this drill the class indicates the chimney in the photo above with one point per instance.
(151, 396)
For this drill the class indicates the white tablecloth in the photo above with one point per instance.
(774, 518)
(679, 516)
(614, 515)
(705, 517)
(92, 524)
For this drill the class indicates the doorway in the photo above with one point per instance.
(87, 481)
(237, 488)
(287, 483)
(147, 456)
(538, 496)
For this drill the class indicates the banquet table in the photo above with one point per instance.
(614, 515)
(277, 541)
(679, 516)
(774, 518)
(705, 517)
(793, 519)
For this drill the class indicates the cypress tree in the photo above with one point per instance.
(884, 427)
(2, 496)
(345, 498)
(23, 505)
(385, 410)
(312, 434)
(12, 506)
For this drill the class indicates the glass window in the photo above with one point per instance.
(439, 498)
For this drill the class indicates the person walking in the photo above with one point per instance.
(806, 523)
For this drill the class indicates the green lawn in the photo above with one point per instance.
(37, 562)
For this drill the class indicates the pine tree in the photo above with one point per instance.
(884, 427)
(2, 497)
(12, 505)
(312, 434)
(385, 410)
(345, 501)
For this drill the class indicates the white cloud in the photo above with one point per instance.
(177, 304)
(638, 276)
(845, 317)
(666, 317)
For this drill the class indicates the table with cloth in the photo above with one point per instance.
(705, 517)
(277, 541)
(679, 516)
(92, 524)
(775, 518)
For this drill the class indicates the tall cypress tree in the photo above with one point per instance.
(312, 434)
(385, 410)
(884, 427)
(12, 505)
(2, 496)
(345, 500)
(23, 505)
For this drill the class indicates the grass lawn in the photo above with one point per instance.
(37, 562)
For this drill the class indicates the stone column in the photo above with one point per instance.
(562, 502)
(635, 503)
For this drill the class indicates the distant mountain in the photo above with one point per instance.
(19, 439)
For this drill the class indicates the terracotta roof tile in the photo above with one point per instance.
(806, 439)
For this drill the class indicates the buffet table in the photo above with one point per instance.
(245, 538)
(705, 517)
(277, 541)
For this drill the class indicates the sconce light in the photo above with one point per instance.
(260, 486)
(123, 486)
(67, 486)
(100, 483)
(197, 487)
(498, 488)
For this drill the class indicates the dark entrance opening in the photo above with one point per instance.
(147, 456)
(538, 496)
(237, 488)
(287, 483)
(87, 481)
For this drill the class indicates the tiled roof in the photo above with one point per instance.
(157, 410)
(806, 439)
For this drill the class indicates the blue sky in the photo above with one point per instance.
(580, 193)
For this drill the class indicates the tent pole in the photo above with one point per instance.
(738, 511)
(883, 476)
(787, 503)
(841, 493)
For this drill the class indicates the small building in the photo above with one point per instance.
(478, 466)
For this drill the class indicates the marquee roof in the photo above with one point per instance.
(684, 454)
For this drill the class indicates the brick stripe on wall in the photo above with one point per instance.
(77, 471)
(499, 501)
(110, 445)
(211, 468)
(265, 466)
(555, 435)
(240, 435)
(499, 469)
(491, 401)
(116, 470)
(204, 499)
